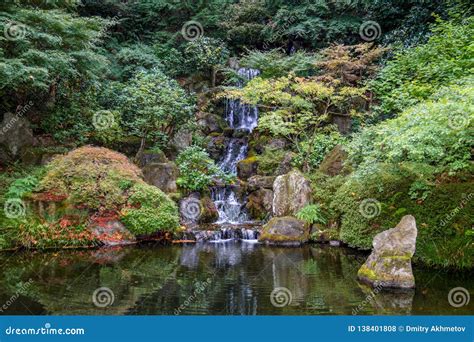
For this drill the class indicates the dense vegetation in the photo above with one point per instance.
(150, 77)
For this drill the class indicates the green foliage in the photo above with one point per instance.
(154, 106)
(442, 217)
(313, 149)
(197, 170)
(416, 74)
(50, 49)
(204, 54)
(269, 161)
(21, 187)
(436, 132)
(149, 211)
(311, 214)
(274, 63)
(138, 57)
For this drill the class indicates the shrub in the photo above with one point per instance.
(443, 218)
(417, 73)
(197, 170)
(436, 132)
(149, 210)
(90, 177)
(311, 213)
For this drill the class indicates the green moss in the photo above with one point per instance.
(249, 160)
(365, 272)
(442, 223)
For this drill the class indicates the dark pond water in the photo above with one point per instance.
(232, 278)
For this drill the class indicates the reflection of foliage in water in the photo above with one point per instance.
(159, 280)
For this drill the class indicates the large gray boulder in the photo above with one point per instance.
(257, 181)
(161, 175)
(389, 264)
(285, 231)
(291, 192)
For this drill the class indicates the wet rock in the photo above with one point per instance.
(285, 231)
(161, 175)
(277, 144)
(247, 168)
(148, 157)
(259, 204)
(209, 211)
(216, 145)
(240, 133)
(389, 264)
(333, 162)
(211, 123)
(257, 181)
(285, 165)
(291, 192)
(196, 209)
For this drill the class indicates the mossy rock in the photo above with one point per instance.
(246, 168)
(90, 185)
(285, 231)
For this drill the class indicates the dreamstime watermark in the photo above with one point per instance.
(192, 30)
(458, 296)
(14, 208)
(448, 217)
(190, 208)
(281, 297)
(46, 330)
(370, 30)
(200, 287)
(103, 297)
(17, 294)
(370, 208)
(103, 120)
(14, 30)
(370, 297)
(19, 114)
(458, 121)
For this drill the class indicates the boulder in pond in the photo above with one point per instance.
(161, 175)
(285, 231)
(389, 264)
(291, 192)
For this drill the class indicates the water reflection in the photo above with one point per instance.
(233, 278)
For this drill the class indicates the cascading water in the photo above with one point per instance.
(240, 117)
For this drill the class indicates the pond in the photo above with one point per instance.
(226, 278)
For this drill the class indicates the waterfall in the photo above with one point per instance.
(244, 118)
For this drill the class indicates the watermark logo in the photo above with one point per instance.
(370, 30)
(370, 208)
(458, 121)
(103, 297)
(281, 297)
(14, 208)
(103, 120)
(192, 30)
(458, 296)
(14, 31)
(190, 208)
